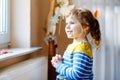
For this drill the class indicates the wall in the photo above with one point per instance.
(28, 23)
(39, 13)
(20, 23)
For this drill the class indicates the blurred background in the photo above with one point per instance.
(107, 60)
(26, 27)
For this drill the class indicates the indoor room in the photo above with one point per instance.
(32, 32)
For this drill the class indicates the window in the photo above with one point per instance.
(4, 23)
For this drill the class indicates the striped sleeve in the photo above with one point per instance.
(82, 67)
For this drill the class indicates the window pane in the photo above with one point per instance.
(0, 16)
(3, 16)
(4, 22)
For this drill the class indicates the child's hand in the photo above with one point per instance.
(56, 60)
(59, 57)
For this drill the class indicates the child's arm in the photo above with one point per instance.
(82, 67)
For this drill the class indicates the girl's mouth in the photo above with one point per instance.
(68, 31)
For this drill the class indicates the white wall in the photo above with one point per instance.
(20, 23)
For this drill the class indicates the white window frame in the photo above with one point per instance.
(5, 34)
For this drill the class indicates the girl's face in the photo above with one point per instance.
(73, 28)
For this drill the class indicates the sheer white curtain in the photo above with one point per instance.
(107, 60)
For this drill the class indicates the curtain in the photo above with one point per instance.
(107, 59)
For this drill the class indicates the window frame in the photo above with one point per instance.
(5, 36)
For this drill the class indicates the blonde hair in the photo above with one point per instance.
(85, 17)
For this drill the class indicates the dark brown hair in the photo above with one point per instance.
(86, 17)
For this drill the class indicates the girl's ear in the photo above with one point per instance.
(86, 28)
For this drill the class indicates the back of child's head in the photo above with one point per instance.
(86, 18)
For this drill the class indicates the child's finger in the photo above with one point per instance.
(60, 57)
(56, 58)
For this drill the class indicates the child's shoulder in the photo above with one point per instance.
(83, 47)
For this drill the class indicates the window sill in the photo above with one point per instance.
(16, 52)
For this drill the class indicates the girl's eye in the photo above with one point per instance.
(72, 23)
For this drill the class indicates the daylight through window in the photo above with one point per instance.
(4, 22)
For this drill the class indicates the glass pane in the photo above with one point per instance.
(4, 21)
(3, 16)
(0, 15)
